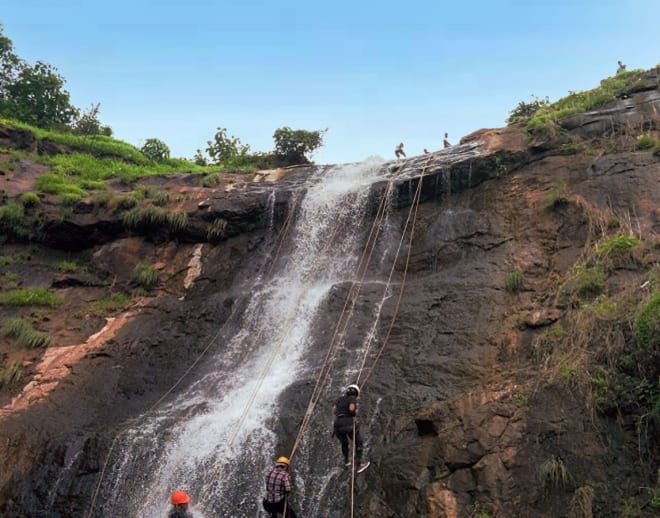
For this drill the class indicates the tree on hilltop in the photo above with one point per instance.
(294, 147)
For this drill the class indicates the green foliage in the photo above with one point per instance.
(294, 146)
(112, 303)
(147, 216)
(25, 334)
(11, 374)
(216, 229)
(553, 473)
(89, 124)
(14, 222)
(224, 148)
(55, 183)
(155, 150)
(177, 220)
(590, 279)
(211, 180)
(648, 142)
(544, 120)
(616, 244)
(647, 325)
(37, 96)
(145, 275)
(557, 197)
(67, 266)
(29, 199)
(513, 281)
(525, 110)
(8, 278)
(159, 198)
(29, 297)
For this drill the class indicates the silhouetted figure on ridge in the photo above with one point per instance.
(622, 67)
(398, 151)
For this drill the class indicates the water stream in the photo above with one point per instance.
(216, 439)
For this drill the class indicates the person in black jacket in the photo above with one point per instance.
(346, 426)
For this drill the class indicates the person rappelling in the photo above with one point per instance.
(179, 501)
(346, 426)
(278, 487)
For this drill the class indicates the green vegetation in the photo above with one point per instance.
(542, 116)
(295, 146)
(513, 281)
(582, 502)
(648, 142)
(28, 199)
(553, 473)
(67, 266)
(557, 197)
(647, 325)
(211, 180)
(525, 110)
(113, 303)
(25, 334)
(14, 222)
(29, 297)
(155, 150)
(145, 275)
(10, 375)
(216, 229)
(617, 244)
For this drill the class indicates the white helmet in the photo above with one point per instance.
(353, 389)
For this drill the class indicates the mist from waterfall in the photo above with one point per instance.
(216, 440)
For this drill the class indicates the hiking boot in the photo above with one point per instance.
(347, 463)
(362, 466)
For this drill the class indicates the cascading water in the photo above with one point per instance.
(216, 439)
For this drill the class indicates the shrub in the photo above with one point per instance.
(145, 275)
(29, 297)
(617, 244)
(525, 110)
(160, 198)
(590, 279)
(211, 180)
(155, 150)
(29, 199)
(513, 281)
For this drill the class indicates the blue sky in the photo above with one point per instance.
(373, 72)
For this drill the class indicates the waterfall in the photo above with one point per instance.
(216, 439)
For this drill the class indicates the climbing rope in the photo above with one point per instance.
(132, 422)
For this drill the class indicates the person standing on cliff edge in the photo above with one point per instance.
(446, 142)
(398, 151)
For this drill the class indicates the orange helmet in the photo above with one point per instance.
(180, 497)
(282, 461)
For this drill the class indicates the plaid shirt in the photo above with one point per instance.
(278, 484)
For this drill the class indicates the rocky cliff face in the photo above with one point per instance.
(496, 391)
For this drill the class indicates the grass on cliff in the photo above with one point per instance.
(11, 374)
(541, 116)
(25, 334)
(607, 347)
(29, 297)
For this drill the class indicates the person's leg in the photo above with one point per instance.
(343, 438)
(358, 445)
